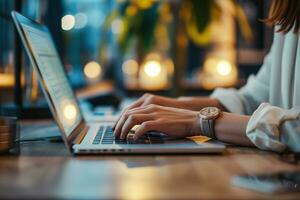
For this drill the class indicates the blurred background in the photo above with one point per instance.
(168, 47)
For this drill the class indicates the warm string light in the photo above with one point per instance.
(217, 72)
(68, 22)
(6, 80)
(168, 63)
(224, 67)
(92, 70)
(152, 68)
(130, 67)
(153, 73)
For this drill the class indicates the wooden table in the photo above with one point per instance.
(48, 170)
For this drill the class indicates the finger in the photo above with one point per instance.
(134, 105)
(120, 122)
(140, 110)
(132, 121)
(148, 100)
(144, 128)
(140, 101)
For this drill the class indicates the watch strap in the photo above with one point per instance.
(207, 128)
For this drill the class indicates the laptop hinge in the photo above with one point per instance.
(81, 135)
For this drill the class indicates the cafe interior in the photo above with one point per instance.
(113, 52)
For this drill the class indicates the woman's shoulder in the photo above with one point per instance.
(284, 43)
(281, 36)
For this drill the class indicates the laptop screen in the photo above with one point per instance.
(49, 64)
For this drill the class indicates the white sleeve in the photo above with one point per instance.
(274, 128)
(247, 99)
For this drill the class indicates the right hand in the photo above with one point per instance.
(148, 99)
(174, 122)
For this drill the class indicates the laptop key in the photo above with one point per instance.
(96, 142)
(108, 137)
(106, 142)
(119, 141)
(98, 136)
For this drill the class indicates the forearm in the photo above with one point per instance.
(197, 103)
(231, 128)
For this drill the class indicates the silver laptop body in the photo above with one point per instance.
(82, 137)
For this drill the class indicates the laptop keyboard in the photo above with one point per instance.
(105, 135)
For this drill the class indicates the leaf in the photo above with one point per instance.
(201, 13)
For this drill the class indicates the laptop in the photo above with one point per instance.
(80, 136)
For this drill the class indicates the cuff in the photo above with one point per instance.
(263, 128)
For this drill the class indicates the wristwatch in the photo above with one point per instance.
(207, 117)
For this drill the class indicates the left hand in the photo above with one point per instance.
(171, 121)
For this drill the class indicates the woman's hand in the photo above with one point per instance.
(171, 121)
(190, 103)
(148, 99)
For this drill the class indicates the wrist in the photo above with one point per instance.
(207, 117)
(195, 125)
(169, 102)
(185, 103)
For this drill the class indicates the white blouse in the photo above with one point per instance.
(272, 97)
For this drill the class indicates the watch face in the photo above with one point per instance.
(209, 112)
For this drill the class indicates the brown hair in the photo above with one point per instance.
(286, 14)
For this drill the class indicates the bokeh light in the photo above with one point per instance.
(69, 111)
(130, 67)
(117, 26)
(80, 20)
(67, 22)
(92, 70)
(152, 68)
(6, 80)
(131, 10)
(153, 56)
(224, 67)
(170, 66)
